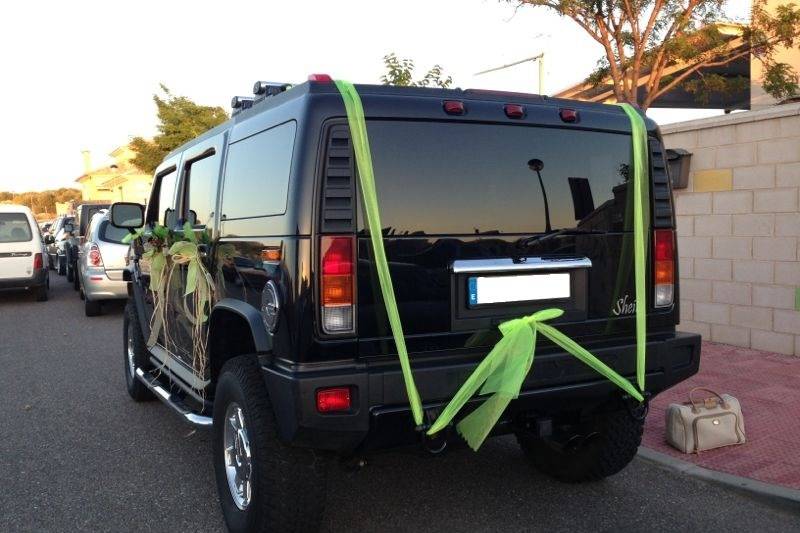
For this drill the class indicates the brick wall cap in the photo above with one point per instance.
(778, 111)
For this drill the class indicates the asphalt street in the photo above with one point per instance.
(77, 454)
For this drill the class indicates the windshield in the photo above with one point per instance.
(461, 178)
(14, 227)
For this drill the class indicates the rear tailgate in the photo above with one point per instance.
(474, 235)
(16, 246)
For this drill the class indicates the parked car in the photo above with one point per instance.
(472, 186)
(72, 245)
(22, 252)
(101, 262)
(55, 241)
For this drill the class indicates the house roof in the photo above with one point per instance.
(678, 97)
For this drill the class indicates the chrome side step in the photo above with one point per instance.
(151, 382)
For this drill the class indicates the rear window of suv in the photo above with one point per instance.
(461, 178)
(14, 227)
(111, 233)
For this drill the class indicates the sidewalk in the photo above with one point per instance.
(768, 387)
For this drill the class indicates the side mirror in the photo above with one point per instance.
(127, 215)
(69, 228)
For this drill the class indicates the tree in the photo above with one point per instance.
(646, 37)
(180, 120)
(401, 71)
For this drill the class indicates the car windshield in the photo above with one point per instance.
(14, 227)
(460, 178)
(110, 233)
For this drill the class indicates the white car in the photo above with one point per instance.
(22, 264)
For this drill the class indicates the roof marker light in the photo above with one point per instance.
(454, 107)
(568, 115)
(321, 78)
(514, 110)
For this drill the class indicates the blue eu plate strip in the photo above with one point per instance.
(473, 291)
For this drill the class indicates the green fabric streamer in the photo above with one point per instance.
(503, 371)
(641, 180)
(358, 133)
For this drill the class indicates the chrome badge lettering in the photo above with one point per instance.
(623, 307)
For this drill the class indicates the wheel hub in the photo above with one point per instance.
(238, 458)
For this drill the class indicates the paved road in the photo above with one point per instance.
(76, 454)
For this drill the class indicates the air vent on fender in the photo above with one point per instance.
(338, 191)
(662, 207)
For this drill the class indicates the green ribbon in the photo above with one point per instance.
(358, 134)
(503, 371)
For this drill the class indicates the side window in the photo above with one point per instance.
(200, 190)
(257, 174)
(161, 209)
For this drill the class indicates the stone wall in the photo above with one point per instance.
(739, 228)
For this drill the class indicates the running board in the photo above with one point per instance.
(177, 405)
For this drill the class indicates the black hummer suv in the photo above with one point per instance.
(472, 186)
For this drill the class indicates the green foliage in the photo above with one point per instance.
(180, 120)
(401, 72)
(780, 81)
(642, 39)
(43, 201)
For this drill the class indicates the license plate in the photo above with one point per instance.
(503, 289)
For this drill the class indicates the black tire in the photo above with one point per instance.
(603, 453)
(288, 483)
(92, 308)
(41, 293)
(61, 266)
(139, 357)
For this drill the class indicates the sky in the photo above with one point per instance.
(80, 75)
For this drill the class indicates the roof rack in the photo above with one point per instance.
(240, 103)
(263, 89)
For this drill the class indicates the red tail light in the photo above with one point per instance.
(337, 284)
(38, 264)
(95, 259)
(333, 399)
(664, 267)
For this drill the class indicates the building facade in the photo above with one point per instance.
(119, 181)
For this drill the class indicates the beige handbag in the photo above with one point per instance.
(700, 425)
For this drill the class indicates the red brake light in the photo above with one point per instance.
(333, 399)
(664, 267)
(568, 115)
(337, 284)
(321, 78)
(37, 262)
(664, 245)
(454, 107)
(514, 110)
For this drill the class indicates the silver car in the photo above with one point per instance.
(101, 261)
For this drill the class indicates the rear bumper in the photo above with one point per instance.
(37, 280)
(98, 286)
(381, 418)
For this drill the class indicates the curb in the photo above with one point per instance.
(775, 494)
